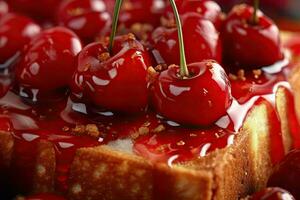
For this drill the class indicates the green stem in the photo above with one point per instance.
(255, 6)
(114, 24)
(184, 72)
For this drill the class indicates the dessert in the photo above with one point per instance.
(119, 120)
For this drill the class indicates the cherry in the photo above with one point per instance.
(286, 174)
(49, 61)
(4, 8)
(141, 17)
(201, 40)
(187, 100)
(116, 81)
(41, 9)
(44, 196)
(15, 32)
(272, 194)
(209, 10)
(250, 43)
(87, 18)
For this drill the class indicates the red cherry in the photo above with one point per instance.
(116, 82)
(247, 44)
(87, 18)
(142, 12)
(41, 9)
(199, 100)
(201, 41)
(286, 174)
(3, 8)
(44, 196)
(209, 10)
(49, 60)
(15, 32)
(272, 194)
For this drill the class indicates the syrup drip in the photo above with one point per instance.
(155, 138)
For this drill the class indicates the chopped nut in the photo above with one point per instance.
(65, 128)
(143, 130)
(103, 56)
(159, 128)
(180, 143)
(257, 73)
(92, 130)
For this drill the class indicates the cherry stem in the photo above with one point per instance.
(184, 72)
(254, 17)
(114, 24)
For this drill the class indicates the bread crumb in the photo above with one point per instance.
(159, 128)
(89, 129)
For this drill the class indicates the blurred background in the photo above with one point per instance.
(285, 12)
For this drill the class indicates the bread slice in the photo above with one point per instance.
(114, 172)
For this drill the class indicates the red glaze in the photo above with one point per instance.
(142, 12)
(87, 18)
(44, 196)
(209, 10)
(272, 194)
(15, 32)
(48, 61)
(3, 8)
(206, 93)
(40, 10)
(249, 45)
(201, 41)
(115, 82)
(286, 174)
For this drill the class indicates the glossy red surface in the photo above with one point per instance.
(198, 100)
(201, 41)
(116, 82)
(4, 8)
(272, 194)
(241, 38)
(209, 10)
(40, 10)
(48, 62)
(143, 12)
(286, 174)
(87, 18)
(15, 32)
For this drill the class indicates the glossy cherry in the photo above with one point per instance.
(201, 41)
(209, 10)
(249, 44)
(40, 10)
(4, 8)
(87, 18)
(44, 196)
(116, 81)
(49, 60)
(286, 174)
(272, 194)
(15, 32)
(199, 100)
(141, 12)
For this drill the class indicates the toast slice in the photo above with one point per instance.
(114, 172)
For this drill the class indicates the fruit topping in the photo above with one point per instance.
(201, 41)
(41, 10)
(195, 94)
(87, 18)
(250, 39)
(4, 8)
(48, 62)
(15, 32)
(286, 174)
(209, 10)
(272, 194)
(114, 77)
